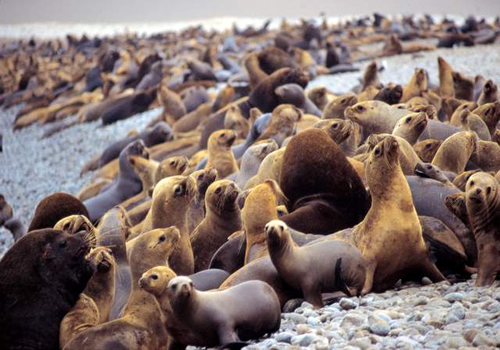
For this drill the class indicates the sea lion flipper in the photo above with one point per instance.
(341, 285)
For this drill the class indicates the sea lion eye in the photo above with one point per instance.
(377, 152)
(428, 145)
(178, 190)
(218, 190)
(408, 119)
(223, 134)
(63, 244)
(154, 277)
(343, 101)
(172, 163)
(335, 125)
(488, 190)
(162, 238)
(429, 167)
(360, 108)
(472, 183)
(201, 177)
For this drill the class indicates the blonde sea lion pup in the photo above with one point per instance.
(473, 122)
(411, 127)
(234, 120)
(416, 85)
(220, 155)
(169, 207)
(171, 166)
(259, 209)
(140, 326)
(222, 219)
(455, 152)
(390, 236)
(282, 123)
(337, 106)
(446, 88)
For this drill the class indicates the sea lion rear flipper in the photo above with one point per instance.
(339, 280)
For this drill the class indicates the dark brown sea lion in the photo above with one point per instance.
(42, 276)
(222, 219)
(208, 324)
(129, 106)
(328, 198)
(464, 87)
(317, 268)
(16, 227)
(196, 211)
(55, 207)
(489, 93)
(483, 208)
(6, 211)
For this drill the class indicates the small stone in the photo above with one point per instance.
(378, 326)
(421, 301)
(285, 337)
(348, 304)
(452, 297)
(426, 281)
(470, 334)
(303, 340)
(455, 342)
(313, 321)
(482, 340)
(458, 310)
(302, 329)
(296, 318)
(352, 320)
(362, 343)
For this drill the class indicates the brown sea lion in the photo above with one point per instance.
(171, 199)
(255, 72)
(483, 208)
(490, 113)
(196, 211)
(141, 326)
(390, 94)
(222, 219)
(446, 86)
(282, 123)
(346, 133)
(220, 155)
(320, 96)
(473, 122)
(173, 107)
(487, 156)
(209, 324)
(310, 268)
(331, 197)
(464, 87)
(191, 121)
(489, 93)
(42, 276)
(426, 149)
(411, 127)
(16, 227)
(234, 120)
(385, 263)
(171, 166)
(336, 107)
(55, 207)
(6, 211)
(455, 152)
(416, 85)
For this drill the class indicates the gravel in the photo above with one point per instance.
(438, 316)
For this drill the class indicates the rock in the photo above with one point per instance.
(458, 310)
(304, 339)
(426, 281)
(378, 326)
(302, 329)
(362, 343)
(455, 342)
(352, 320)
(482, 340)
(348, 304)
(421, 301)
(284, 337)
(470, 334)
(295, 317)
(452, 297)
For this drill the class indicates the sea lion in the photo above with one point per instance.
(129, 106)
(126, 186)
(433, 172)
(416, 85)
(42, 276)
(461, 180)
(310, 268)
(455, 152)
(220, 155)
(408, 159)
(16, 227)
(194, 97)
(483, 208)
(455, 118)
(269, 169)
(486, 156)
(55, 207)
(234, 120)
(294, 94)
(426, 149)
(196, 211)
(141, 325)
(173, 106)
(207, 324)
(171, 166)
(222, 218)
(390, 94)
(94, 304)
(473, 122)
(464, 87)
(336, 107)
(193, 120)
(6, 211)
(411, 127)
(488, 94)
(209, 279)
(171, 198)
(251, 160)
(320, 96)
(490, 113)
(93, 189)
(346, 133)
(446, 86)
(282, 122)
(391, 205)
(331, 197)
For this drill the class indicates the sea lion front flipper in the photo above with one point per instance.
(227, 335)
(371, 266)
(312, 294)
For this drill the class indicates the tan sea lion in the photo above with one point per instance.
(446, 87)
(426, 149)
(487, 156)
(455, 152)
(483, 208)
(93, 189)
(490, 113)
(282, 123)
(141, 326)
(173, 107)
(189, 122)
(234, 120)
(220, 155)
(346, 133)
(411, 127)
(456, 116)
(310, 268)
(171, 166)
(222, 219)
(269, 169)
(473, 122)
(489, 93)
(336, 107)
(416, 85)
(408, 159)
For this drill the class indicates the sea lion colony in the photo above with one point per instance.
(256, 194)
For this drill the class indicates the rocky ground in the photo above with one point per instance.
(434, 316)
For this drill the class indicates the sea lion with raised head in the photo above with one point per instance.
(220, 155)
(455, 152)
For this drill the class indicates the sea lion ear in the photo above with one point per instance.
(299, 114)
(47, 252)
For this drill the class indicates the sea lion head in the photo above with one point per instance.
(6, 211)
(430, 171)
(364, 111)
(162, 240)
(282, 123)
(162, 132)
(171, 167)
(234, 120)
(276, 233)
(489, 112)
(222, 140)
(101, 259)
(429, 110)
(426, 150)
(291, 93)
(382, 161)
(336, 107)
(155, 280)
(222, 196)
(338, 129)
(136, 148)
(180, 289)
(204, 178)
(261, 149)
(174, 192)
(411, 126)
(481, 193)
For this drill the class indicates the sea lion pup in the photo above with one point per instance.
(251, 160)
(173, 107)
(336, 107)
(196, 211)
(16, 227)
(259, 209)
(331, 197)
(370, 76)
(433, 172)
(473, 122)
(320, 96)
(446, 86)
(282, 123)
(255, 73)
(234, 120)
(411, 127)
(141, 326)
(390, 94)
(456, 116)
(408, 159)
(222, 218)
(55, 207)
(464, 87)
(94, 304)
(487, 156)
(346, 133)
(160, 133)
(207, 323)
(126, 186)
(6, 211)
(426, 149)
(42, 276)
(171, 199)
(489, 93)
(455, 152)
(490, 113)
(171, 166)
(391, 205)
(294, 94)
(269, 169)
(310, 268)
(416, 85)
(483, 208)
(461, 180)
(220, 155)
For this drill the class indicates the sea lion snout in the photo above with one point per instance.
(274, 230)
